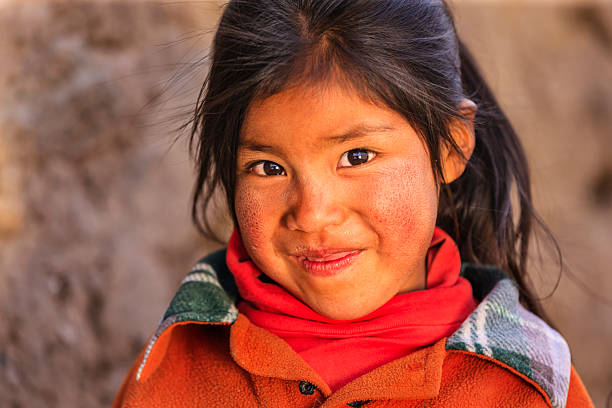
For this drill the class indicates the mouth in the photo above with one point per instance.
(328, 262)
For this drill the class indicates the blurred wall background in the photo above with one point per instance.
(95, 233)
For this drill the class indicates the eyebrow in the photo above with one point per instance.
(359, 131)
(355, 132)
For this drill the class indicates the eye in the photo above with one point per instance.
(356, 157)
(267, 168)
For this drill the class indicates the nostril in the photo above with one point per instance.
(314, 219)
(314, 206)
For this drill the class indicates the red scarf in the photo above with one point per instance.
(342, 350)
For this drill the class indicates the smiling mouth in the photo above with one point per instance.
(328, 262)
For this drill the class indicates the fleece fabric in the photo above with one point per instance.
(341, 351)
(205, 353)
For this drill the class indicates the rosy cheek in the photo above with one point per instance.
(404, 203)
(249, 213)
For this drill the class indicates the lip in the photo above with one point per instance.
(327, 262)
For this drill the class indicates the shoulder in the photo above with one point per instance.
(189, 351)
(189, 361)
(479, 381)
(502, 332)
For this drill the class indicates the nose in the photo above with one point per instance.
(314, 206)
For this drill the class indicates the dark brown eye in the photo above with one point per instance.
(356, 157)
(267, 168)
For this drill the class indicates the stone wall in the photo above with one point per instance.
(94, 221)
(95, 179)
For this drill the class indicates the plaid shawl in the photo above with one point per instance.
(500, 328)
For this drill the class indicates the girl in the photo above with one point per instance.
(378, 257)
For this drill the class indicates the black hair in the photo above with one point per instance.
(404, 54)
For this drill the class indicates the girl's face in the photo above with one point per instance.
(335, 199)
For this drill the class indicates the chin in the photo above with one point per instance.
(344, 311)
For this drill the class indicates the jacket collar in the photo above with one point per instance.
(500, 328)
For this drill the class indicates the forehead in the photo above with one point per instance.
(331, 112)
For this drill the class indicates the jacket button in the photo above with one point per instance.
(357, 404)
(307, 388)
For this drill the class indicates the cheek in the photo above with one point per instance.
(404, 203)
(250, 216)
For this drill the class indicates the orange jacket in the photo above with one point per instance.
(205, 354)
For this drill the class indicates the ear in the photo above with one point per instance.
(462, 132)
